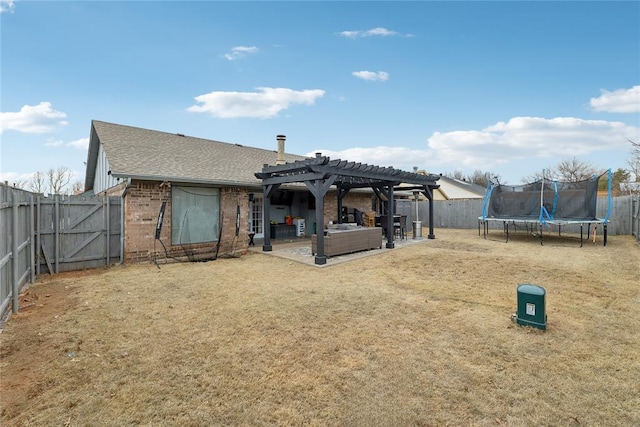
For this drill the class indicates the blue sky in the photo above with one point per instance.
(507, 87)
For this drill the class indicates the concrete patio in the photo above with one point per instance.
(299, 250)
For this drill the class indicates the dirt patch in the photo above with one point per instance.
(419, 335)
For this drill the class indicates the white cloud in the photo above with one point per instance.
(378, 31)
(396, 157)
(618, 101)
(54, 143)
(380, 76)
(240, 52)
(521, 139)
(266, 102)
(81, 144)
(14, 178)
(526, 137)
(39, 118)
(7, 6)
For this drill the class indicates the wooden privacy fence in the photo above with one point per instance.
(635, 217)
(53, 234)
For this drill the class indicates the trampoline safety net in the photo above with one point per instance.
(543, 200)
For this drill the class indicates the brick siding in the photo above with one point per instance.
(360, 201)
(143, 200)
(142, 203)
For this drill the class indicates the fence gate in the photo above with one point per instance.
(74, 233)
(40, 235)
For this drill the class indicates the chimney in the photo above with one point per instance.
(280, 157)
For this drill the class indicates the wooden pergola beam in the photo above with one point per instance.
(320, 173)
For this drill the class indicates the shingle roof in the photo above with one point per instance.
(154, 155)
(456, 189)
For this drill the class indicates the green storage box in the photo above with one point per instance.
(531, 306)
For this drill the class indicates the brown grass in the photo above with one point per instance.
(419, 335)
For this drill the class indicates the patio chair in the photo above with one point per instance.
(400, 226)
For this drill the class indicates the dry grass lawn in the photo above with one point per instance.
(420, 335)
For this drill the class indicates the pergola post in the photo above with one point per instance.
(390, 210)
(321, 258)
(267, 191)
(320, 173)
(429, 193)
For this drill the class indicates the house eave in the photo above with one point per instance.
(186, 180)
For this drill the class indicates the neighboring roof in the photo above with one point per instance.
(452, 188)
(161, 156)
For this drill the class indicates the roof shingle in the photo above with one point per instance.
(149, 154)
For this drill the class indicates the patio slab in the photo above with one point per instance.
(299, 250)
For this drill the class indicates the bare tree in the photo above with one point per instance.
(20, 183)
(572, 170)
(535, 177)
(575, 170)
(78, 187)
(37, 182)
(59, 179)
(634, 161)
(477, 177)
(482, 178)
(457, 174)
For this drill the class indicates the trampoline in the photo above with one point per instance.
(539, 205)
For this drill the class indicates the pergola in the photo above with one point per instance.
(320, 173)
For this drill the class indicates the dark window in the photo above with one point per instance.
(195, 215)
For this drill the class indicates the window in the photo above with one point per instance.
(195, 215)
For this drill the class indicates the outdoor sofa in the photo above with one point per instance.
(345, 239)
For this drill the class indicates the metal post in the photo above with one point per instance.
(14, 252)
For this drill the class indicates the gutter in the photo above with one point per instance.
(177, 180)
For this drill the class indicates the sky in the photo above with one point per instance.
(504, 87)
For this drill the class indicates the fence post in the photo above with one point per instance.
(14, 252)
(38, 219)
(56, 231)
(32, 235)
(108, 227)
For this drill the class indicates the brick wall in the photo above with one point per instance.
(142, 203)
(360, 201)
(230, 199)
(141, 208)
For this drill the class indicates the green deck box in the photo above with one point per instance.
(532, 306)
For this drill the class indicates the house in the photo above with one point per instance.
(184, 196)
